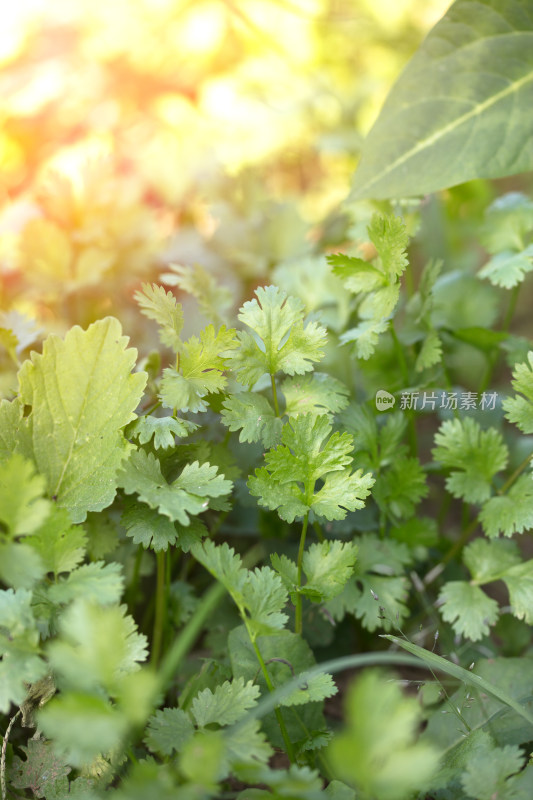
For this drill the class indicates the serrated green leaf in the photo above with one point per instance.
(254, 416)
(315, 394)
(246, 745)
(308, 453)
(366, 336)
(20, 565)
(168, 730)
(82, 726)
(378, 752)
(228, 703)
(185, 496)
(519, 581)
(201, 370)
(147, 527)
(313, 689)
(212, 299)
(377, 592)
(487, 561)
(400, 488)
(519, 409)
(61, 545)
(512, 512)
(264, 597)
(327, 566)
(161, 429)
(161, 306)
(19, 646)
(280, 341)
(468, 609)
(465, 91)
(96, 582)
(10, 422)
(487, 772)
(22, 506)
(389, 236)
(430, 352)
(42, 770)
(508, 269)
(81, 393)
(223, 563)
(96, 647)
(357, 275)
(477, 454)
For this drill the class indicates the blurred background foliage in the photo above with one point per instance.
(214, 133)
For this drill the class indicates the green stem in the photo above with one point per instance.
(318, 531)
(298, 618)
(277, 712)
(160, 608)
(413, 444)
(274, 395)
(516, 474)
(134, 585)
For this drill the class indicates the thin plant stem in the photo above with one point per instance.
(413, 444)
(277, 712)
(4, 751)
(274, 395)
(318, 530)
(134, 585)
(160, 608)
(516, 474)
(298, 616)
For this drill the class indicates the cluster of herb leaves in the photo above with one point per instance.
(127, 485)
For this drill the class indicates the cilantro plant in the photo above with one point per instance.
(216, 505)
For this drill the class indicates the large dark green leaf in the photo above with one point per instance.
(462, 107)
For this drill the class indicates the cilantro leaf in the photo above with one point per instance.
(431, 351)
(161, 429)
(400, 488)
(82, 726)
(378, 752)
(22, 506)
(308, 453)
(147, 527)
(327, 566)
(61, 545)
(263, 596)
(488, 770)
(519, 582)
(183, 497)
(512, 512)
(356, 274)
(161, 306)
(519, 409)
(476, 455)
(469, 610)
(378, 589)
(201, 370)
(227, 704)
(19, 647)
(389, 236)
(313, 689)
(259, 594)
(168, 730)
(213, 300)
(42, 770)
(96, 582)
(508, 268)
(366, 336)
(97, 645)
(254, 416)
(81, 393)
(315, 394)
(280, 341)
